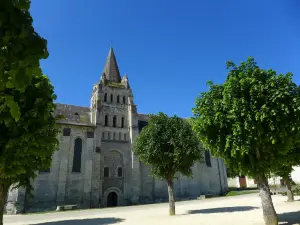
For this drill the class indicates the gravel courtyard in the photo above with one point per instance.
(237, 210)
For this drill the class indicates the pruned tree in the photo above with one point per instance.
(26, 146)
(250, 120)
(21, 49)
(169, 145)
(284, 167)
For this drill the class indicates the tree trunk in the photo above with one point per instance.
(269, 212)
(3, 193)
(171, 198)
(289, 192)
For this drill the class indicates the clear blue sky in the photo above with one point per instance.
(169, 49)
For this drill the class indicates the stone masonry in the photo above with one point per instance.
(95, 165)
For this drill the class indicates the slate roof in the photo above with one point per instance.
(111, 68)
(75, 115)
(143, 117)
(80, 115)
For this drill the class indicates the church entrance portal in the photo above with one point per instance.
(112, 199)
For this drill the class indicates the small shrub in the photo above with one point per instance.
(296, 190)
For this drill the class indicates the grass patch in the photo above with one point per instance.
(235, 193)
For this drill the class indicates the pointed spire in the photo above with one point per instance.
(111, 68)
(125, 81)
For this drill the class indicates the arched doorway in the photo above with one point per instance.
(112, 199)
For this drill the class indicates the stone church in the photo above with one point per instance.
(95, 165)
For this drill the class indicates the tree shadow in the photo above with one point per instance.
(95, 221)
(289, 218)
(222, 210)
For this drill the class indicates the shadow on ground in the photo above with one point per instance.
(289, 218)
(222, 210)
(95, 221)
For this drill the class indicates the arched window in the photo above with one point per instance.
(115, 121)
(114, 136)
(106, 120)
(207, 158)
(106, 172)
(108, 135)
(120, 138)
(105, 97)
(45, 171)
(118, 99)
(120, 172)
(122, 122)
(111, 98)
(77, 155)
(123, 99)
(103, 135)
(124, 137)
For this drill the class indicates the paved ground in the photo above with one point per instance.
(234, 210)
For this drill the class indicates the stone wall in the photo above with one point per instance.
(205, 180)
(61, 185)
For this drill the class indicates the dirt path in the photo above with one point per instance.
(235, 210)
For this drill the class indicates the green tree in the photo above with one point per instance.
(284, 167)
(284, 171)
(250, 121)
(21, 49)
(231, 171)
(26, 146)
(169, 145)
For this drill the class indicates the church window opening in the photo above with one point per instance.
(118, 99)
(122, 122)
(120, 136)
(207, 158)
(105, 97)
(66, 131)
(120, 172)
(106, 120)
(106, 171)
(111, 98)
(108, 135)
(114, 136)
(123, 99)
(115, 121)
(103, 135)
(77, 155)
(124, 137)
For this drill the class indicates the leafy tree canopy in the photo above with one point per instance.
(27, 145)
(252, 119)
(169, 145)
(21, 49)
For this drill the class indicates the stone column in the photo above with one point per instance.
(88, 170)
(136, 168)
(65, 144)
(96, 185)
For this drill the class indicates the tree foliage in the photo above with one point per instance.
(251, 121)
(284, 167)
(21, 49)
(27, 145)
(169, 145)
